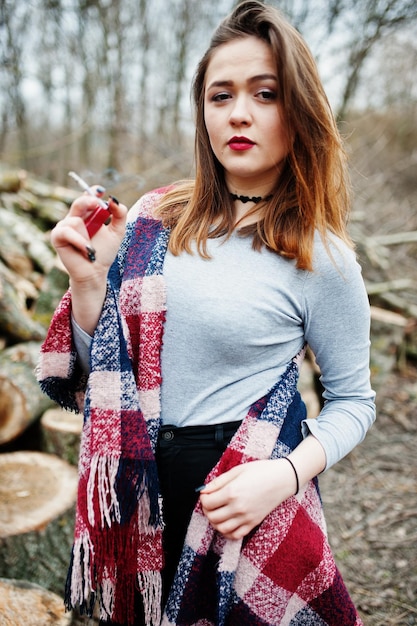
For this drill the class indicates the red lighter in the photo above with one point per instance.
(100, 215)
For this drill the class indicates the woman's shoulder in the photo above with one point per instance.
(146, 205)
(336, 275)
(332, 251)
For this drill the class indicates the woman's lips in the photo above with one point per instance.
(240, 143)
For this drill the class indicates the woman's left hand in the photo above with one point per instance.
(238, 500)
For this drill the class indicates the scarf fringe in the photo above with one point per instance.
(107, 597)
(119, 485)
(78, 587)
(108, 579)
(62, 392)
(103, 473)
(108, 551)
(150, 585)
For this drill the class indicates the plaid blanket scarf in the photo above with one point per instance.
(282, 573)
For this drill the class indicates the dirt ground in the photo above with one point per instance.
(370, 501)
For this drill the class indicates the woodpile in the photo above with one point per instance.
(37, 489)
(390, 272)
(37, 512)
(31, 285)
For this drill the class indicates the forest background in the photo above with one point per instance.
(102, 87)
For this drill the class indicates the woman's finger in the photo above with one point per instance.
(70, 232)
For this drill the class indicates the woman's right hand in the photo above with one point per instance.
(88, 259)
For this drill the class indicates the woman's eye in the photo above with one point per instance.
(267, 94)
(220, 97)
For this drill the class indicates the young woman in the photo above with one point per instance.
(181, 339)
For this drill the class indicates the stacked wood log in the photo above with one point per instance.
(31, 279)
(37, 502)
(23, 603)
(61, 431)
(32, 282)
(21, 399)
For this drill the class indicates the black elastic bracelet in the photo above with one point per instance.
(295, 472)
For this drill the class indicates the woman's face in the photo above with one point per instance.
(243, 115)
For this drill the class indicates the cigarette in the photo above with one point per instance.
(88, 189)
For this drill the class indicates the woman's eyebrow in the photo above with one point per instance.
(253, 79)
(220, 83)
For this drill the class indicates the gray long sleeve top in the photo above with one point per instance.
(235, 321)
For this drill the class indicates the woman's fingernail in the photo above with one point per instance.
(115, 200)
(100, 189)
(91, 253)
(198, 489)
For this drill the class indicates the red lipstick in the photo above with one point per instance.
(240, 143)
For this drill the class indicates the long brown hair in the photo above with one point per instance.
(312, 191)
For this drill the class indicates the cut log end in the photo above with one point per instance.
(61, 431)
(13, 412)
(37, 511)
(22, 401)
(23, 603)
(35, 489)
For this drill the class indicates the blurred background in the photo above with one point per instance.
(102, 86)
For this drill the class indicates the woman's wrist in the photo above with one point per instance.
(308, 460)
(297, 482)
(87, 300)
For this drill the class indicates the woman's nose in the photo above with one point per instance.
(240, 113)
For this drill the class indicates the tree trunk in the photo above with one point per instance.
(61, 432)
(27, 604)
(37, 502)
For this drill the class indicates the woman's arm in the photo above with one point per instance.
(336, 323)
(337, 328)
(88, 260)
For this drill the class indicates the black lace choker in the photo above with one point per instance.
(254, 199)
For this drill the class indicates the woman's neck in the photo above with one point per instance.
(251, 199)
